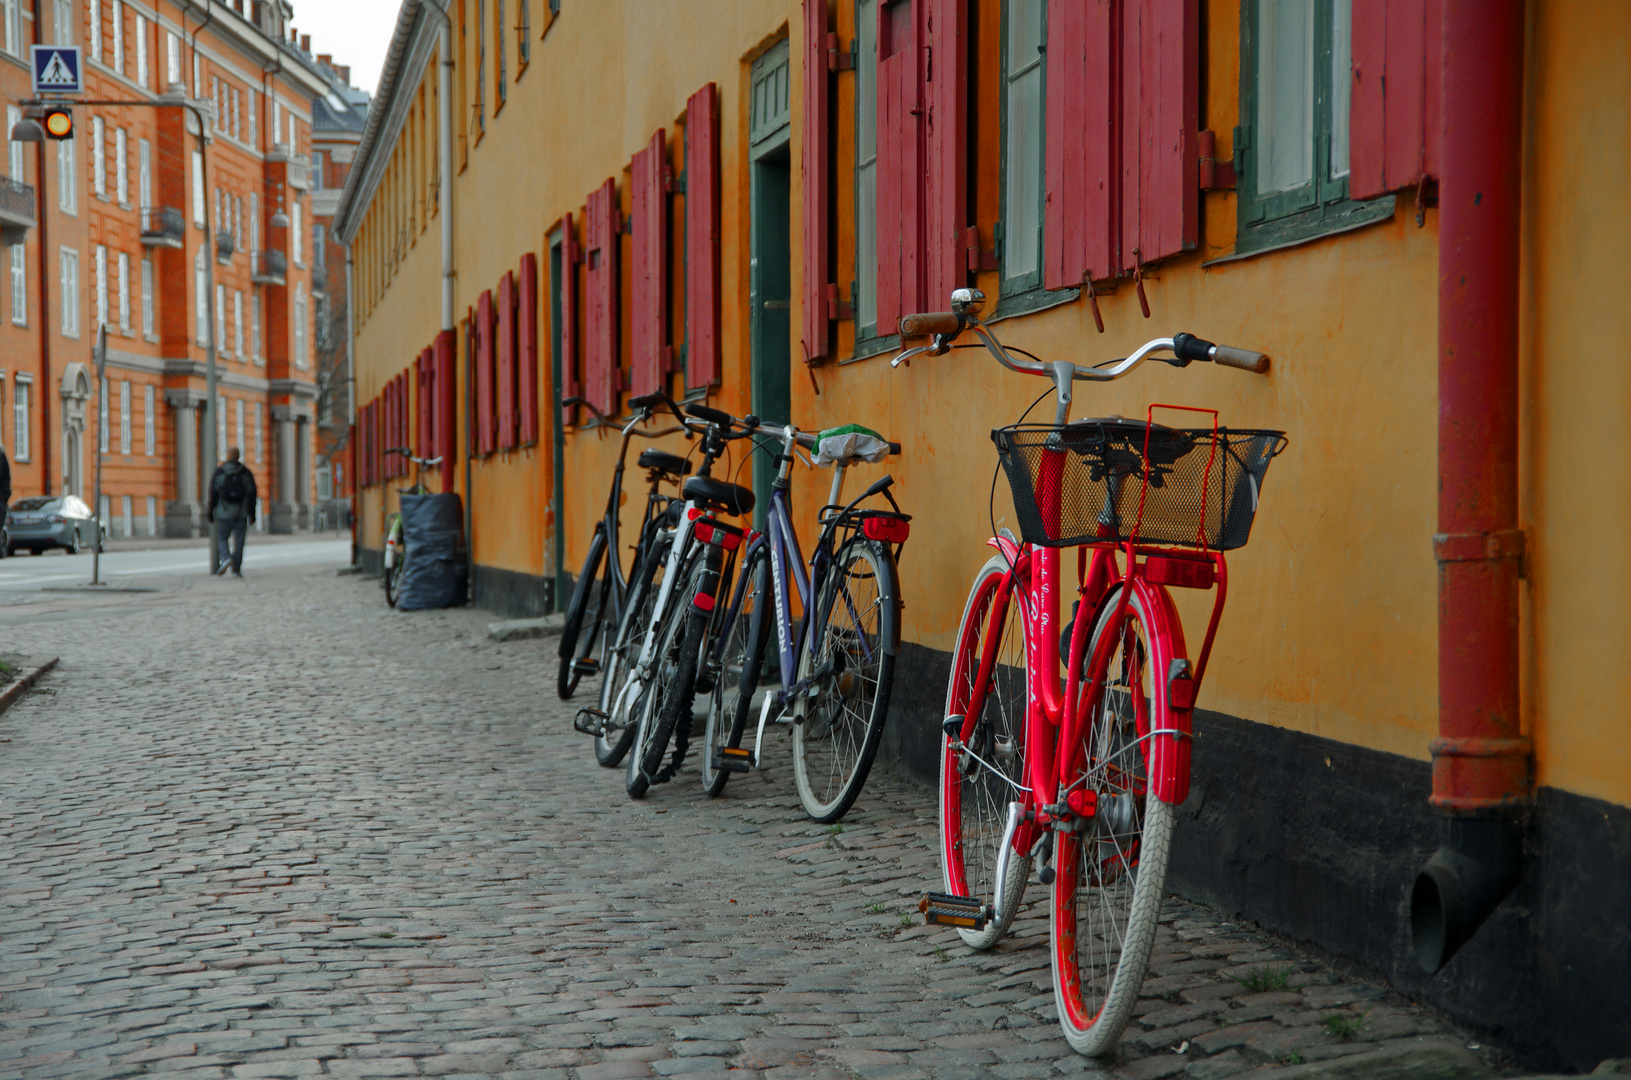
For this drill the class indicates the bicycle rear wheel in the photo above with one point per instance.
(977, 781)
(674, 671)
(848, 656)
(732, 699)
(1110, 874)
(625, 651)
(582, 612)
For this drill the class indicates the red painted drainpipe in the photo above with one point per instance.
(1481, 760)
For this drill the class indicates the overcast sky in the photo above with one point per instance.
(356, 32)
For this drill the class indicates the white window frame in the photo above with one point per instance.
(255, 326)
(201, 303)
(259, 436)
(19, 285)
(150, 432)
(124, 418)
(238, 415)
(118, 9)
(152, 515)
(144, 73)
(62, 22)
(96, 29)
(144, 172)
(148, 314)
(121, 166)
(298, 250)
(68, 279)
(299, 310)
(67, 180)
(172, 58)
(21, 404)
(220, 316)
(238, 321)
(99, 165)
(14, 150)
(101, 270)
(124, 292)
(102, 417)
(198, 189)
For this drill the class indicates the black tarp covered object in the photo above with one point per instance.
(433, 526)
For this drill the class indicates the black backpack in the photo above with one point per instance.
(234, 489)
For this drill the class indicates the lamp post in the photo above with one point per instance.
(175, 97)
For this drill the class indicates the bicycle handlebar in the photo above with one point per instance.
(965, 315)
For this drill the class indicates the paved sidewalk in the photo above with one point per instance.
(358, 842)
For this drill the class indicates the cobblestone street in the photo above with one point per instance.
(272, 829)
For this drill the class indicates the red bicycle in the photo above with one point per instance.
(1085, 772)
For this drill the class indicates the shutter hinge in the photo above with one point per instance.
(837, 309)
(978, 259)
(626, 227)
(676, 183)
(1215, 175)
(839, 59)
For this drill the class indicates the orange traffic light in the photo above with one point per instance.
(59, 122)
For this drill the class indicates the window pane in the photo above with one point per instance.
(866, 154)
(1022, 215)
(1285, 94)
(1341, 83)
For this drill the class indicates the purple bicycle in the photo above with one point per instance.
(836, 660)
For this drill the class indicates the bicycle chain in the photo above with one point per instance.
(682, 740)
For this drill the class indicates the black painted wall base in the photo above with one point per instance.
(1321, 840)
(513, 593)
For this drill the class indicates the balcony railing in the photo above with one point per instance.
(300, 172)
(163, 226)
(16, 204)
(224, 246)
(268, 267)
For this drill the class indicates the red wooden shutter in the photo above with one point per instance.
(944, 27)
(360, 458)
(405, 420)
(569, 318)
(600, 358)
(486, 405)
(702, 238)
(1080, 212)
(527, 349)
(422, 382)
(817, 195)
(1393, 128)
(446, 402)
(900, 167)
(649, 288)
(505, 332)
(389, 399)
(1160, 92)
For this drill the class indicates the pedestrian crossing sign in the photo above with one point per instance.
(56, 69)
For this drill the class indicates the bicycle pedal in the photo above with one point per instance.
(733, 759)
(586, 666)
(591, 721)
(943, 909)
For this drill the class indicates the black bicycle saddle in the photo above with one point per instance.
(727, 498)
(673, 464)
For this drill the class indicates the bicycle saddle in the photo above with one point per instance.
(673, 464)
(719, 495)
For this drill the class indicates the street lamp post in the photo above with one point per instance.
(175, 96)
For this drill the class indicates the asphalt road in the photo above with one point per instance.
(27, 573)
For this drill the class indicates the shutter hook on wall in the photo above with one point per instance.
(1138, 283)
(1093, 302)
(809, 366)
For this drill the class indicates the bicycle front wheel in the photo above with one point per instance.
(611, 747)
(732, 699)
(982, 773)
(1110, 873)
(848, 659)
(582, 613)
(674, 672)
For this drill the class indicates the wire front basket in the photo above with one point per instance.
(1111, 481)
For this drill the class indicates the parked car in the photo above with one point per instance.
(47, 521)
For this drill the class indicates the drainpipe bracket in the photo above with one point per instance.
(1476, 775)
(1480, 547)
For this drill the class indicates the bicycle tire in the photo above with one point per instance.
(668, 666)
(732, 699)
(1108, 881)
(973, 801)
(393, 581)
(391, 575)
(631, 635)
(566, 683)
(846, 709)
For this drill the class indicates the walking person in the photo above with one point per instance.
(5, 492)
(232, 501)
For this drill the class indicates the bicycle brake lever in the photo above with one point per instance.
(906, 357)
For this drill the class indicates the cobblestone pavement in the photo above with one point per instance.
(275, 830)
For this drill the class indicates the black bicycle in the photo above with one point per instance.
(596, 607)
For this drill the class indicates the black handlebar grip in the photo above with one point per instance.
(647, 401)
(934, 322)
(894, 448)
(1188, 347)
(713, 416)
(1244, 359)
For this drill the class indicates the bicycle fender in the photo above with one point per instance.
(1006, 546)
(1171, 733)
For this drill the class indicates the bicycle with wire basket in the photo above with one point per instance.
(593, 613)
(836, 662)
(396, 540)
(1085, 772)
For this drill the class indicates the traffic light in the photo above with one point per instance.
(58, 121)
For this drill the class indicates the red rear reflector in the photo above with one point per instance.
(694, 513)
(728, 541)
(888, 530)
(1181, 693)
(1083, 802)
(1180, 572)
(703, 601)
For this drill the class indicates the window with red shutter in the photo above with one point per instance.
(1393, 125)
(648, 293)
(601, 369)
(504, 332)
(1293, 147)
(815, 161)
(1081, 201)
(569, 318)
(527, 349)
(486, 398)
(702, 238)
(943, 27)
(446, 400)
(900, 166)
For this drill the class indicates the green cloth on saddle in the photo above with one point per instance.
(850, 442)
